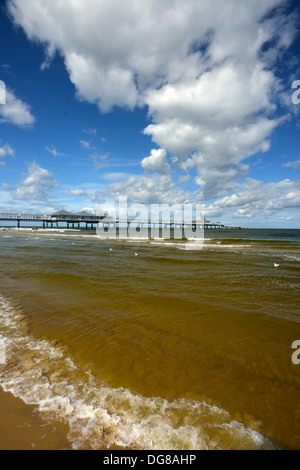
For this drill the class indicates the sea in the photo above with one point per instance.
(149, 345)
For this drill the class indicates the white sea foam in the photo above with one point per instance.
(220, 246)
(100, 416)
(292, 257)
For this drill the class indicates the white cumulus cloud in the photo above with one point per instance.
(156, 161)
(16, 111)
(37, 185)
(255, 198)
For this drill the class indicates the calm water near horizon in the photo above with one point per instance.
(148, 345)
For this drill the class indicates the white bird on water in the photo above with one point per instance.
(276, 265)
(135, 254)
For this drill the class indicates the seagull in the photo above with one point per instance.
(276, 265)
(135, 254)
(110, 249)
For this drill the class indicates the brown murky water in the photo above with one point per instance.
(170, 349)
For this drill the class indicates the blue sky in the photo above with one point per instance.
(162, 102)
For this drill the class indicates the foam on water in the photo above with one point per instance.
(99, 416)
(292, 257)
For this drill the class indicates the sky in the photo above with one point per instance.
(160, 101)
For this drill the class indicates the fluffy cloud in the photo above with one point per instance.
(156, 161)
(115, 50)
(254, 198)
(204, 70)
(215, 122)
(16, 111)
(37, 185)
(150, 189)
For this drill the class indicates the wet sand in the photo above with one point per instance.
(22, 428)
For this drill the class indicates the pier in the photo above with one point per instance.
(90, 221)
